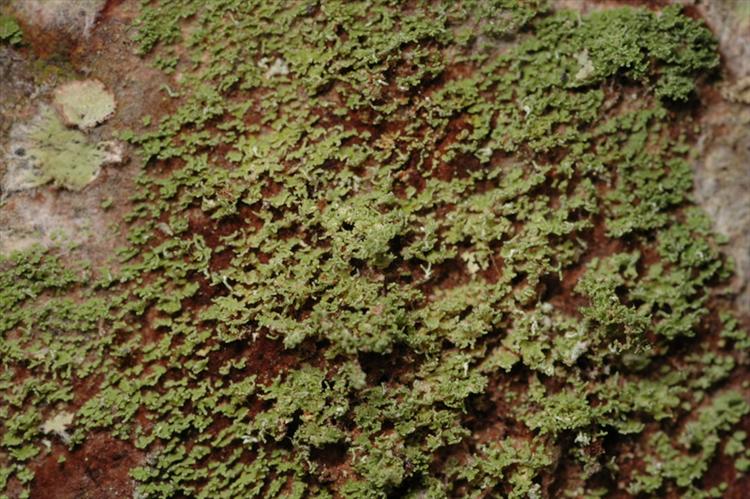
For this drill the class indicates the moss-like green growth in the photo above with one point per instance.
(10, 31)
(662, 50)
(381, 257)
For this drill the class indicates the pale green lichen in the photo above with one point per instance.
(46, 151)
(84, 103)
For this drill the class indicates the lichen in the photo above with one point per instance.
(398, 263)
(46, 151)
(84, 103)
(10, 31)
